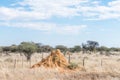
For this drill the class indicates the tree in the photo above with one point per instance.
(13, 48)
(84, 48)
(6, 49)
(62, 48)
(76, 48)
(71, 50)
(1, 49)
(92, 45)
(28, 48)
(39, 47)
(103, 48)
(45, 48)
(114, 49)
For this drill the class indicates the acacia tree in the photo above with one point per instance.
(92, 45)
(28, 48)
(84, 48)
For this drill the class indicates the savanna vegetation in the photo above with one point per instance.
(28, 48)
(93, 61)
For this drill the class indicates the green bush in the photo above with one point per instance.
(73, 66)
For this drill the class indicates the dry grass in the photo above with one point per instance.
(94, 70)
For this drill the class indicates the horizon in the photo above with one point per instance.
(65, 22)
(58, 45)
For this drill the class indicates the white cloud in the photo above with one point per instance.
(101, 12)
(30, 25)
(17, 14)
(46, 27)
(70, 29)
(41, 9)
(6, 13)
(45, 9)
(28, 11)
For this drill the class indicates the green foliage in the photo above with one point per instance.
(28, 48)
(72, 50)
(6, 49)
(114, 49)
(103, 48)
(76, 48)
(73, 66)
(1, 49)
(14, 48)
(45, 48)
(90, 46)
(62, 48)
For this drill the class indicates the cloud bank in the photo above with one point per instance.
(25, 13)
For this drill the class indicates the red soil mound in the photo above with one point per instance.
(55, 59)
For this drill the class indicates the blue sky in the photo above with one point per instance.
(54, 22)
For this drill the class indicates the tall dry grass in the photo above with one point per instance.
(16, 67)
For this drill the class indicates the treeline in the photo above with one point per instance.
(28, 48)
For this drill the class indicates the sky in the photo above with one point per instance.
(60, 22)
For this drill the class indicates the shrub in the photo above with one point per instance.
(73, 66)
